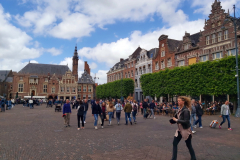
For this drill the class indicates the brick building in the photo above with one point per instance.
(51, 81)
(6, 78)
(166, 53)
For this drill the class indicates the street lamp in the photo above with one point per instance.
(234, 20)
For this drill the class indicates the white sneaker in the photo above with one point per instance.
(201, 127)
(84, 121)
(95, 127)
(78, 128)
(195, 126)
(102, 126)
(154, 117)
(193, 132)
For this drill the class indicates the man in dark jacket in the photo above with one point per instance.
(145, 106)
(96, 110)
(199, 112)
(67, 111)
(152, 107)
(86, 109)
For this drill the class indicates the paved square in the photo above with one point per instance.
(39, 133)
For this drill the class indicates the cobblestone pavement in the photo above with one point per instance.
(39, 133)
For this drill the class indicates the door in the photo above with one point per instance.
(33, 92)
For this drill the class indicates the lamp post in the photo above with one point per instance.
(234, 20)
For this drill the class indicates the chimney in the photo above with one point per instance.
(121, 59)
(86, 67)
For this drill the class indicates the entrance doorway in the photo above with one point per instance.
(33, 93)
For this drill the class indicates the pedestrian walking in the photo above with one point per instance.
(134, 110)
(67, 111)
(152, 107)
(145, 107)
(110, 110)
(225, 112)
(2, 103)
(118, 108)
(193, 115)
(96, 110)
(141, 107)
(86, 109)
(80, 113)
(182, 118)
(103, 106)
(9, 104)
(30, 103)
(199, 112)
(127, 110)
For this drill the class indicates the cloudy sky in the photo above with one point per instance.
(46, 31)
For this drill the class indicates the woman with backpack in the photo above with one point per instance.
(134, 110)
(118, 108)
(80, 113)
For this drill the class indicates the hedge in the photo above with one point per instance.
(114, 89)
(203, 78)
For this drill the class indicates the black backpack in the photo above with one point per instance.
(135, 107)
(81, 109)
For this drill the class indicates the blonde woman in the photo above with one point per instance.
(182, 118)
(110, 110)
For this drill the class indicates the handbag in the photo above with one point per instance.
(100, 120)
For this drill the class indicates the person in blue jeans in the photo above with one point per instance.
(110, 111)
(96, 110)
(225, 112)
(9, 104)
(86, 109)
(193, 115)
(199, 112)
(128, 110)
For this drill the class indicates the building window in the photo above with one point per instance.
(79, 96)
(44, 88)
(21, 78)
(128, 65)
(132, 64)
(20, 87)
(231, 52)
(192, 60)
(46, 79)
(204, 58)
(151, 56)
(53, 90)
(181, 63)
(162, 64)
(226, 34)
(169, 62)
(11, 87)
(129, 75)
(207, 40)
(162, 53)
(84, 96)
(89, 88)
(73, 89)
(219, 36)
(132, 73)
(125, 75)
(156, 66)
(68, 89)
(79, 88)
(213, 38)
(219, 23)
(84, 88)
(89, 97)
(217, 55)
(213, 25)
(186, 46)
(62, 89)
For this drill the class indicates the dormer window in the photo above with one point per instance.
(21, 78)
(186, 46)
(213, 25)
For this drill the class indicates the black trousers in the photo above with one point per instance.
(103, 116)
(176, 140)
(78, 118)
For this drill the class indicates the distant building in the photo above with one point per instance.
(49, 80)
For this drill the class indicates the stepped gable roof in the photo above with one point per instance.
(3, 74)
(117, 65)
(173, 44)
(41, 69)
(86, 78)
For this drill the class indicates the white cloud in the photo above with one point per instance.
(14, 44)
(206, 5)
(101, 76)
(54, 51)
(93, 65)
(110, 53)
(68, 61)
(77, 18)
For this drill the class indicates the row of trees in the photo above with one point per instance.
(115, 89)
(204, 78)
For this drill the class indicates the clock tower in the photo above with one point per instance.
(75, 64)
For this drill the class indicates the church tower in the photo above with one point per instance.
(75, 64)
